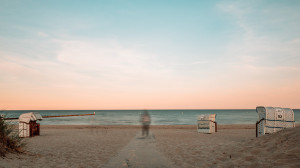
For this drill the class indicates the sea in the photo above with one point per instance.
(132, 117)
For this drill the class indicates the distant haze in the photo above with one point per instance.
(131, 54)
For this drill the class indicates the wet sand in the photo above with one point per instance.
(180, 146)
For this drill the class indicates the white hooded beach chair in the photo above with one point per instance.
(27, 124)
(207, 123)
(273, 119)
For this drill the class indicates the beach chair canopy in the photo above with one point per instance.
(207, 117)
(32, 116)
(275, 114)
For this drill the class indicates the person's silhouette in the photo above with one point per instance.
(145, 120)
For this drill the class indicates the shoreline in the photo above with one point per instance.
(227, 126)
(223, 126)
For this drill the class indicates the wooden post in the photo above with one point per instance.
(38, 128)
(256, 129)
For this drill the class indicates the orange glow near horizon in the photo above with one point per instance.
(122, 100)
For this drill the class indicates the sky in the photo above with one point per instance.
(149, 54)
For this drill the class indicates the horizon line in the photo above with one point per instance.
(137, 109)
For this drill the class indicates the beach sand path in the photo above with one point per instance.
(141, 152)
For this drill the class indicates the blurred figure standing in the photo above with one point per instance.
(145, 120)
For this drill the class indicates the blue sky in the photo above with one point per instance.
(181, 54)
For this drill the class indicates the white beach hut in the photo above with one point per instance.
(27, 124)
(273, 119)
(207, 123)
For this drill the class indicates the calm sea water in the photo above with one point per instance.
(131, 117)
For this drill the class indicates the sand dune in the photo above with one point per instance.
(281, 149)
(231, 148)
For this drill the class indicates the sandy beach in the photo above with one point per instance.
(231, 146)
(171, 146)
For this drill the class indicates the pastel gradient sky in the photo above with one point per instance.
(136, 54)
